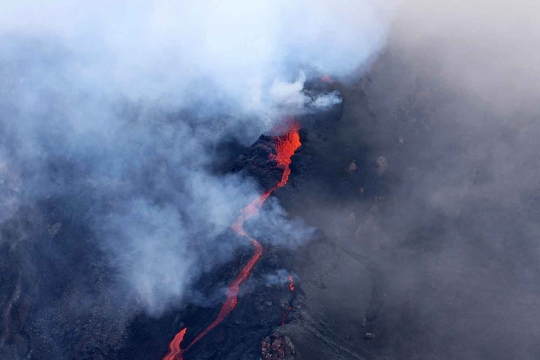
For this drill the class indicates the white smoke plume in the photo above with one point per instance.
(127, 100)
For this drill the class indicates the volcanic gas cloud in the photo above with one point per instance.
(285, 147)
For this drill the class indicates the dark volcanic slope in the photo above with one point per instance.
(427, 206)
(256, 162)
(429, 210)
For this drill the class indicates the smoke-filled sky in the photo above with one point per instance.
(452, 106)
(181, 52)
(119, 109)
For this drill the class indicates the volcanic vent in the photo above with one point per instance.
(268, 159)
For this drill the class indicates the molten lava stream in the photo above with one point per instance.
(285, 315)
(291, 287)
(291, 283)
(285, 147)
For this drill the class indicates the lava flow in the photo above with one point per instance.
(285, 315)
(291, 283)
(291, 287)
(285, 147)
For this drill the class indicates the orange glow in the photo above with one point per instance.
(285, 315)
(291, 283)
(286, 145)
(174, 346)
(327, 79)
(285, 148)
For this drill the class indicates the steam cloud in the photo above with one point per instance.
(118, 109)
(452, 224)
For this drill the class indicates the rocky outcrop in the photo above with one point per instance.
(276, 347)
(257, 162)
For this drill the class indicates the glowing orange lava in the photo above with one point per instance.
(285, 315)
(285, 148)
(327, 79)
(174, 346)
(286, 145)
(291, 287)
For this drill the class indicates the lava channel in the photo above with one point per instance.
(291, 287)
(285, 147)
(291, 283)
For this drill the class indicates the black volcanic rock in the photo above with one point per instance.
(256, 161)
(276, 347)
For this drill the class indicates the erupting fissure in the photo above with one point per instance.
(285, 315)
(285, 147)
(291, 283)
(291, 287)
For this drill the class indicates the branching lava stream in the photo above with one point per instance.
(285, 147)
